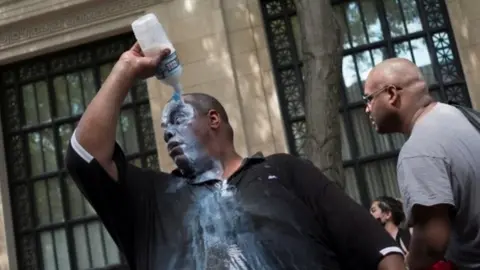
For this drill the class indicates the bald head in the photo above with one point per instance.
(203, 103)
(395, 90)
(399, 72)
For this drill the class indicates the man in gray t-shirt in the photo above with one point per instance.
(440, 164)
(438, 167)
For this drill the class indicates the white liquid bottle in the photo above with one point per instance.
(152, 39)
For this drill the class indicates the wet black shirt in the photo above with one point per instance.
(277, 212)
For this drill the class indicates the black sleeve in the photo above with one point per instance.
(111, 199)
(351, 230)
(405, 236)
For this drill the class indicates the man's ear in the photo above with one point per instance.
(214, 119)
(388, 215)
(393, 95)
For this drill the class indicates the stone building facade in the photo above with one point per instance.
(54, 54)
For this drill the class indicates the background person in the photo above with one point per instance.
(388, 211)
(438, 166)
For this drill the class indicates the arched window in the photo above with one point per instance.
(42, 100)
(373, 30)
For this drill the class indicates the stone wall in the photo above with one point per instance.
(7, 241)
(464, 17)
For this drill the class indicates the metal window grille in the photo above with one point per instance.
(42, 100)
(373, 30)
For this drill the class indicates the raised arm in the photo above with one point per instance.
(97, 164)
(96, 130)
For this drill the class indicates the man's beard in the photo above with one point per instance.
(185, 166)
(195, 164)
(386, 123)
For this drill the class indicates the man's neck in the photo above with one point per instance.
(214, 173)
(416, 116)
(221, 166)
(231, 162)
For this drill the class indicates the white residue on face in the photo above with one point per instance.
(177, 119)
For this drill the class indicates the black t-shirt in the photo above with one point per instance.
(278, 212)
(403, 239)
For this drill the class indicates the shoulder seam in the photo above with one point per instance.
(84, 154)
(420, 156)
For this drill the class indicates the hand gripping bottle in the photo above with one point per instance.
(152, 39)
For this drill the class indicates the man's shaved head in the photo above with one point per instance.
(203, 103)
(399, 72)
(393, 89)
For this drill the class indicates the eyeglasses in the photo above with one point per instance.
(368, 98)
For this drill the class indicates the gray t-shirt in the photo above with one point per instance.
(440, 164)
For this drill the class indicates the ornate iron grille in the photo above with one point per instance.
(374, 30)
(42, 100)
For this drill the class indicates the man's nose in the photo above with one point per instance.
(167, 135)
(367, 108)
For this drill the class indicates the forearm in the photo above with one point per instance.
(392, 262)
(420, 255)
(97, 127)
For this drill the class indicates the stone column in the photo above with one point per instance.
(465, 17)
(8, 259)
(253, 73)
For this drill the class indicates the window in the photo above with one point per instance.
(42, 100)
(373, 31)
